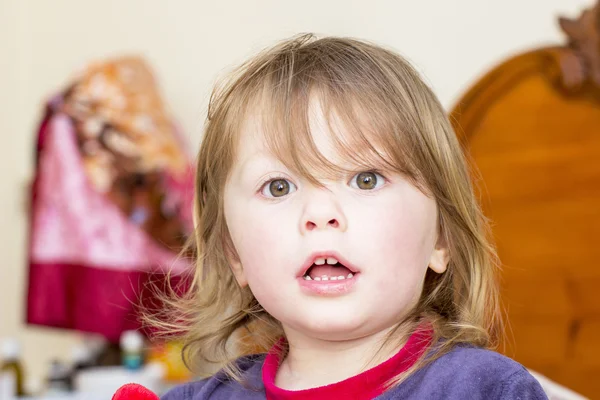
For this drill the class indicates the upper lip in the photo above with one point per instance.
(324, 254)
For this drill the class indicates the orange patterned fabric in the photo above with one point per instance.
(122, 124)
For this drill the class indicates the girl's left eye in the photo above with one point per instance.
(278, 188)
(367, 181)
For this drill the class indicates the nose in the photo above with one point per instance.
(322, 211)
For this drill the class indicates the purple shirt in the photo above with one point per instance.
(463, 373)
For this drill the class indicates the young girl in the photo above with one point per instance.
(337, 227)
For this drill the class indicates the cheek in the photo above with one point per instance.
(403, 236)
(400, 234)
(264, 252)
(261, 244)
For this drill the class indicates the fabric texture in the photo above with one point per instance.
(110, 204)
(463, 373)
(366, 385)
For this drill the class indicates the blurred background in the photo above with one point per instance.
(187, 45)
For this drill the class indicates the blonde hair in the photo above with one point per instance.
(385, 109)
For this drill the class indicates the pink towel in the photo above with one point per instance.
(96, 242)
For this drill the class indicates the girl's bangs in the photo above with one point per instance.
(367, 134)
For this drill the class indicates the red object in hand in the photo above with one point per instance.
(133, 391)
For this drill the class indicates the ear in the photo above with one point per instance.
(234, 263)
(440, 256)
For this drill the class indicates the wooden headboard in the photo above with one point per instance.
(532, 129)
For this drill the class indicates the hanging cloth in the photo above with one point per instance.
(111, 201)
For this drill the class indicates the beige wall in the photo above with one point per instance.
(189, 43)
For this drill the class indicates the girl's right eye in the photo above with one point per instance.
(277, 188)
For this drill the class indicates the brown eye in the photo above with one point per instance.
(367, 181)
(278, 188)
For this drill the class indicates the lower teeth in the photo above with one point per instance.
(327, 278)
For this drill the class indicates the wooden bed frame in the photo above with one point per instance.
(532, 130)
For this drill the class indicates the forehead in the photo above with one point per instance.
(258, 136)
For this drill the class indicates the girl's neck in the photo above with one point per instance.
(313, 362)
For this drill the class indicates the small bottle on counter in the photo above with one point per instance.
(11, 369)
(132, 348)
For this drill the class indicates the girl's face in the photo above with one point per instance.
(379, 226)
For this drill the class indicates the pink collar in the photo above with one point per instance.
(366, 385)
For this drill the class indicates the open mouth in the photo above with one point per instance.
(328, 269)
